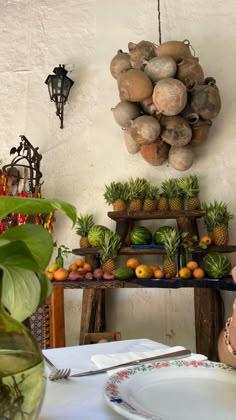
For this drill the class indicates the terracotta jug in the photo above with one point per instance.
(205, 99)
(200, 129)
(189, 70)
(170, 96)
(175, 49)
(141, 52)
(175, 130)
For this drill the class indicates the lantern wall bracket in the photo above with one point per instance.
(59, 86)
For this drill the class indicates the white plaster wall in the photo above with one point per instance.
(37, 35)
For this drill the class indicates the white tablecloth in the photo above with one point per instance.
(82, 398)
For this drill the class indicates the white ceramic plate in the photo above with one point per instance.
(177, 390)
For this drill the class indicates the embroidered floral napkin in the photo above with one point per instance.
(106, 360)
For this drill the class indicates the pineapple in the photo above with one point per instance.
(136, 192)
(171, 243)
(83, 224)
(174, 194)
(116, 194)
(150, 200)
(109, 251)
(217, 220)
(190, 189)
(163, 203)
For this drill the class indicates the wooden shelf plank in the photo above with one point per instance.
(176, 283)
(126, 250)
(143, 215)
(85, 251)
(222, 284)
(88, 284)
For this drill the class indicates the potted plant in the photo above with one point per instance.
(25, 252)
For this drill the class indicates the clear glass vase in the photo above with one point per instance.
(22, 371)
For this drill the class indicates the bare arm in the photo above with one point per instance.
(225, 355)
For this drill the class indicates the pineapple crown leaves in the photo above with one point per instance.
(115, 191)
(151, 192)
(189, 186)
(137, 188)
(217, 214)
(83, 224)
(171, 188)
(171, 242)
(110, 246)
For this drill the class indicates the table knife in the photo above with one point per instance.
(174, 355)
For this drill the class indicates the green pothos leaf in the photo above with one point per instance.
(21, 291)
(46, 287)
(37, 239)
(35, 206)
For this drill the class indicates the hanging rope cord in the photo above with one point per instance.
(159, 19)
(159, 27)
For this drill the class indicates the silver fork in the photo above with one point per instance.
(56, 373)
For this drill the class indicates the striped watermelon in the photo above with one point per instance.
(140, 235)
(216, 265)
(96, 235)
(161, 232)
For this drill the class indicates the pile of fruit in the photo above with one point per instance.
(214, 265)
(78, 270)
(139, 194)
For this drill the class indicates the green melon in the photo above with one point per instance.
(124, 273)
(140, 235)
(216, 265)
(161, 232)
(96, 235)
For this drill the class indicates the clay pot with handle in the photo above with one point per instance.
(124, 112)
(119, 63)
(160, 67)
(170, 96)
(175, 49)
(188, 69)
(134, 85)
(141, 52)
(156, 153)
(205, 99)
(145, 129)
(200, 129)
(175, 130)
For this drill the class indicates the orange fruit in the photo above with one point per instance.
(206, 240)
(73, 267)
(185, 273)
(132, 263)
(198, 273)
(158, 274)
(154, 267)
(192, 265)
(87, 267)
(49, 275)
(79, 262)
(61, 274)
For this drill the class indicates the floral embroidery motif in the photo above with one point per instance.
(112, 387)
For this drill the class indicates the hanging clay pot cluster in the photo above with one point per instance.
(166, 103)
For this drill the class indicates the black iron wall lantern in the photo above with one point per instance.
(59, 86)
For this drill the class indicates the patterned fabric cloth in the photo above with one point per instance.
(40, 326)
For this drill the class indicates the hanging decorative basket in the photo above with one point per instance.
(165, 99)
(22, 178)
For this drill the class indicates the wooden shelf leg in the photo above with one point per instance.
(57, 318)
(123, 228)
(209, 320)
(93, 312)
